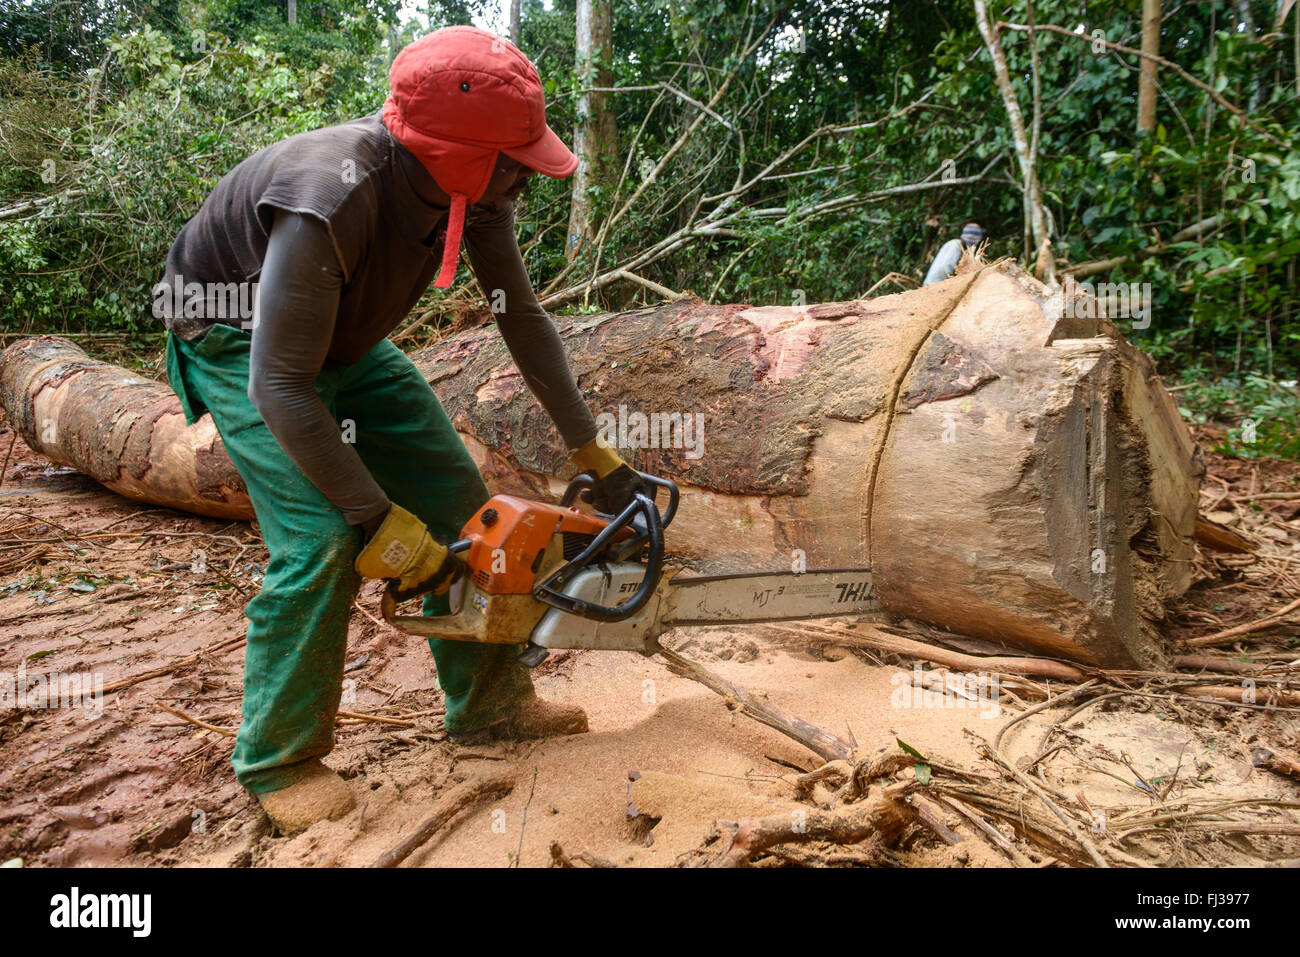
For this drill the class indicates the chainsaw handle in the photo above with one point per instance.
(583, 480)
(388, 604)
(549, 591)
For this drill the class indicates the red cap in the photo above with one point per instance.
(458, 97)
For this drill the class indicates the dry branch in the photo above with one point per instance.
(447, 806)
(820, 742)
(1276, 760)
(866, 636)
(1227, 635)
(882, 817)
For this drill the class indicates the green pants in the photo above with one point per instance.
(297, 624)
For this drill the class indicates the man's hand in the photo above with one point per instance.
(403, 551)
(615, 480)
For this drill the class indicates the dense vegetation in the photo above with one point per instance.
(118, 117)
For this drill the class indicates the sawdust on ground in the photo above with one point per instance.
(136, 785)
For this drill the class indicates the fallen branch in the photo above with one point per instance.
(875, 638)
(1226, 665)
(446, 807)
(989, 831)
(1235, 694)
(1275, 760)
(1226, 636)
(932, 817)
(654, 287)
(376, 719)
(27, 205)
(130, 680)
(1267, 497)
(560, 859)
(882, 817)
(1052, 806)
(820, 742)
(193, 720)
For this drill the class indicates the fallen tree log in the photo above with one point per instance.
(1011, 469)
(121, 429)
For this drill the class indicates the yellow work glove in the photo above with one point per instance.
(615, 480)
(403, 551)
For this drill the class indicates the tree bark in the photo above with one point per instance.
(595, 135)
(1147, 69)
(1010, 467)
(125, 431)
(1039, 251)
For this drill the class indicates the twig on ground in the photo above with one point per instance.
(446, 807)
(1225, 636)
(193, 720)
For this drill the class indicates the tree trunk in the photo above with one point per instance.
(1147, 67)
(595, 135)
(123, 430)
(1039, 251)
(1010, 468)
(516, 31)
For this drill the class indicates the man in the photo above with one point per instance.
(352, 466)
(949, 255)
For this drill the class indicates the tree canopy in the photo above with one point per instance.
(767, 152)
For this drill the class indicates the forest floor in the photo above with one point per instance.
(150, 600)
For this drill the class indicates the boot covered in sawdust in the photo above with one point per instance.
(318, 795)
(535, 718)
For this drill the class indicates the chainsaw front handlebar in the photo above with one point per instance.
(649, 532)
(583, 480)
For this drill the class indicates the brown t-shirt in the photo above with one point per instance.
(357, 180)
(366, 193)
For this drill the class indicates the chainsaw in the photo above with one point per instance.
(552, 577)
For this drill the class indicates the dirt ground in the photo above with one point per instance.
(149, 601)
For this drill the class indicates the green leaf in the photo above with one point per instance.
(911, 750)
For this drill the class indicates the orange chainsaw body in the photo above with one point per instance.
(510, 538)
